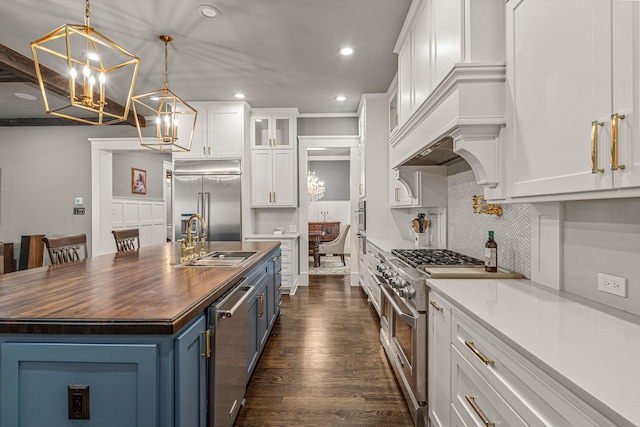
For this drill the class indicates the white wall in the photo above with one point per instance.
(43, 170)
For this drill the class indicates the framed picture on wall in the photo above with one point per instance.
(138, 181)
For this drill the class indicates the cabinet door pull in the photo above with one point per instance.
(397, 197)
(478, 354)
(435, 305)
(204, 151)
(472, 402)
(261, 310)
(614, 141)
(594, 147)
(207, 349)
(274, 197)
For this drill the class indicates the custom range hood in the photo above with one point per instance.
(452, 101)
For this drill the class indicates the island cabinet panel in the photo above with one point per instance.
(122, 378)
(191, 375)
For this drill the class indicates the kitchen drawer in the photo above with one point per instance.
(456, 419)
(537, 398)
(286, 269)
(285, 245)
(285, 257)
(469, 389)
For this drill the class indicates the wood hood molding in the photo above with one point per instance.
(469, 105)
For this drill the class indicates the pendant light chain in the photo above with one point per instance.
(87, 14)
(166, 63)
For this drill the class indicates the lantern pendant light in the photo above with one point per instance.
(83, 75)
(167, 110)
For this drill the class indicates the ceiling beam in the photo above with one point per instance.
(46, 121)
(23, 68)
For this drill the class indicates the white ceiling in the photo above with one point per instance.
(281, 53)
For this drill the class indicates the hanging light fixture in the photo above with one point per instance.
(87, 77)
(315, 188)
(167, 110)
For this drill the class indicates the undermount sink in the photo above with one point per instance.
(221, 259)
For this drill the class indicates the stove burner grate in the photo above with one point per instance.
(424, 257)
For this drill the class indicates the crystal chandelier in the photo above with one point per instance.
(167, 110)
(315, 188)
(87, 77)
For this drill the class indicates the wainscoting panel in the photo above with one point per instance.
(146, 215)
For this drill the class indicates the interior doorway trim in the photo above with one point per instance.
(314, 142)
(102, 150)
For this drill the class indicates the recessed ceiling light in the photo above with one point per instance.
(26, 96)
(240, 95)
(340, 98)
(345, 51)
(208, 11)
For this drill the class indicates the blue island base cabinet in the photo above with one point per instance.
(134, 381)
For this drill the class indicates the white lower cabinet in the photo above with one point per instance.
(490, 382)
(288, 258)
(439, 360)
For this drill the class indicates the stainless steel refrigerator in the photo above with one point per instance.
(210, 188)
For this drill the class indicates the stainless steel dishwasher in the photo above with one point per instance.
(227, 368)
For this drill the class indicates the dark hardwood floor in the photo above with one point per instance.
(324, 364)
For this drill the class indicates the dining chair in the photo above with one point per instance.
(127, 240)
(66, 248)
(336, 246)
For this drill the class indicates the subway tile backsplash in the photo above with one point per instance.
(467, 231)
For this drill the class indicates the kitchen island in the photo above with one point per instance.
(132, 326)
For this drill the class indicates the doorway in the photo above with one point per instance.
(314, 149)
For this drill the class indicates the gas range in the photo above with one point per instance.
(420, 258)
(406, 282)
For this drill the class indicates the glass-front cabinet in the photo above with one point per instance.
(272, 131)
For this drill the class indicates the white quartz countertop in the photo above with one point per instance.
(387, 244)
(594, 354)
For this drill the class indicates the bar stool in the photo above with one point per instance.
(127, 240)
(66, 248)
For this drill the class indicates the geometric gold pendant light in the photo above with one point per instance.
(171, 121)
(96, 75)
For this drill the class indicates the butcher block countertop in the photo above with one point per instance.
(140, 292)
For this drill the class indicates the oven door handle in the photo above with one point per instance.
(409, 319)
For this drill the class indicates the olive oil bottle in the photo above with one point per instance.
(491, 254)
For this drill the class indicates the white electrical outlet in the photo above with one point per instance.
(292, 228)
(612, 284)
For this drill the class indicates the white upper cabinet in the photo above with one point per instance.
(273, 158)
(428, 48)
(273, 182)
(574, 93)
(219, 131)
(272, 131)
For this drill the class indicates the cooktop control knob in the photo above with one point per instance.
(408, 292)
(401, 283)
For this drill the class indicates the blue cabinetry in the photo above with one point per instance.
(141, 381)
(263, 307)
(123, 380)
(191, 375)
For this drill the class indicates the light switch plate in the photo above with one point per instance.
(292, 228)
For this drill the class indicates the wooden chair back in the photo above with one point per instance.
(127, 240)
(66, 248)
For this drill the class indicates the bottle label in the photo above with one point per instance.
(490, 257)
